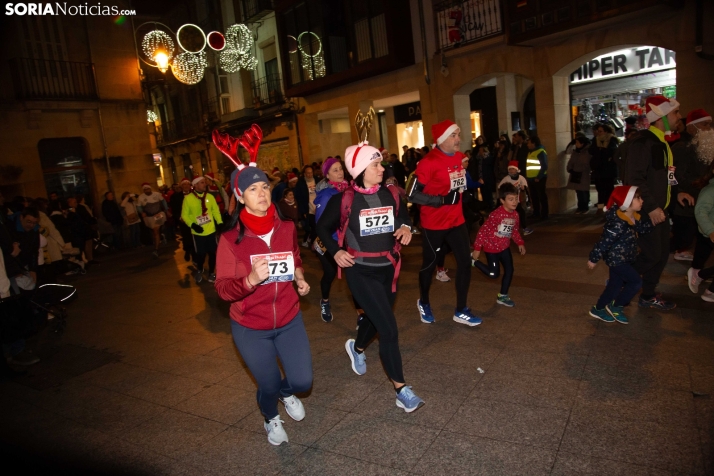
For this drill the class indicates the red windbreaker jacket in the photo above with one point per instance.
(265, 306)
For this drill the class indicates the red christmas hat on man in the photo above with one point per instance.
(292, 177)
(658, 107)
(184, 180)
(145, 185)
(196, 179)
(697, 116)
(442, 130)
(513, 164)
(622, 197)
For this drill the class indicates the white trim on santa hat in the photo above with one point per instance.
(701, 119)
(449, 130)
(659, 111)
(197, 179)
(628, 198)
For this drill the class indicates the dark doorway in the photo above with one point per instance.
(484, 101)
(65, 166)
(529, 114)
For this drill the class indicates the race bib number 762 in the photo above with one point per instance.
(281, 266)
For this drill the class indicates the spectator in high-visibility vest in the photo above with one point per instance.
(201, 213)
(537, 175)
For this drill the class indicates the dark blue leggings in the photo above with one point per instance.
(622, 286)
(259, 350)
(494, 267)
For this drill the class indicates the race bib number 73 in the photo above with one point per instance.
(373, 221)
(281, 266)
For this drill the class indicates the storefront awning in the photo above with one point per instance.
(632, 84)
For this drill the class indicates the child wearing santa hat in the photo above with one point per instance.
(618, 247)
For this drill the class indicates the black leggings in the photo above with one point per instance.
(206, 245)
(494, 267)
(458, 240)
(329, 272)
(373, 286)
(604, 187)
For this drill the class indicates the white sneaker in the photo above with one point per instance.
(305, 244)
(276, 433)
(442, 276)
(294, 407)
(708, 296)
(693, 280)
(684, 256)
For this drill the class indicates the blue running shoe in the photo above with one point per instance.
(407, 400)
(617, 312)
(601, 314)
(358, 360)
(505, 300)
(325, 311)
(657, 303)
(464, 316)
(425, 312)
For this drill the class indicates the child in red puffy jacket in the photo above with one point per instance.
(494, 238)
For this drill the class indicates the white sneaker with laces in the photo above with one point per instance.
(276, 433)
(294, 407)
(693, 280)
(442, 276)
(708, 296)
(684, 256)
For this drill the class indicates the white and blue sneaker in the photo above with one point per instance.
(294, 407)
(358, 360)
(427, 317)
(464, 316)
(407, 400)
(275, 431)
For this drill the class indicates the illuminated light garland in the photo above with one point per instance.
(151, 116)
(157, 40)
(313, 65)
(189, 68)
(239, 37)
(229, 59)
(178, 38)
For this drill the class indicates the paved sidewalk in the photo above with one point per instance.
(146, 379)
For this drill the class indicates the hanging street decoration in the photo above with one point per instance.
(151, 116)
(189, 68)
(312, 64)
(191, 38)
(159, 48)
(216, 40)
(236, 54)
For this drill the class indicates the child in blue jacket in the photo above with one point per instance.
(618, 247)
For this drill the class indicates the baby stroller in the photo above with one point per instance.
(50, 299)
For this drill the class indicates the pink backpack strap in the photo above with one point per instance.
(348, 196)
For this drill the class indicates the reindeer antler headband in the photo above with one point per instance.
(363, 124)
(250, 140)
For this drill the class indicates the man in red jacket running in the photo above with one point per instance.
(440, 181)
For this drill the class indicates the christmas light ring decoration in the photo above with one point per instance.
(299, 40)
(190, 27)
(189, 68)
(291, 37)
(159, 47)
(314, 65)
(216, 40)
(228, 145)
(151, 116)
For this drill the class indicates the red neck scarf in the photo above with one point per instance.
(259, 225)
(340, 186)
(204, 209)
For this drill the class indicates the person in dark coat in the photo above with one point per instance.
(579, 169)
(602, 164)
(400, 172)
(112, 213)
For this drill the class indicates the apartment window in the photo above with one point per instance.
(306, 49)
(225, 105)
(223, 81)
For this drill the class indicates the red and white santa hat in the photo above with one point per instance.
(145, 185)
(196, 179)
(292, 177)
(184, 180)
(358, 157)
(698, 115)
(622, 197)
(513, 164)
(442, 130)
(659, 106)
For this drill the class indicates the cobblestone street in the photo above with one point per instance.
(146, 379)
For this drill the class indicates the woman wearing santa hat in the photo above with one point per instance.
(258, 260)
(373, 227)
(151, 205)
(440, 180)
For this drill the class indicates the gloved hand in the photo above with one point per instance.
(197, 228)
(451, 198)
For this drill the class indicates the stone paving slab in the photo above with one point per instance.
(147, 380)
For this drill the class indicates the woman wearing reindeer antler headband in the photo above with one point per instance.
(258, 258)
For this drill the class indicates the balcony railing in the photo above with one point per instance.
(267, 91)
(256, 9)
(459, 22)
(180, 128)
(56, 80)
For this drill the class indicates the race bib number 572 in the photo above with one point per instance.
(281, 266)
(373, 221)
